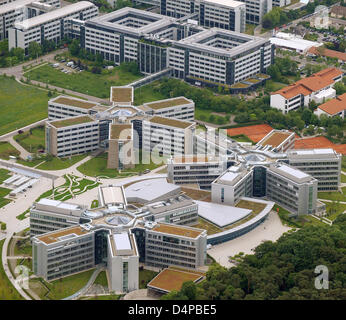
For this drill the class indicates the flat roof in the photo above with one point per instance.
(167, 103)
(171, 122)
(55, 236)
(53, 15)
(149, 190)
(71, 121)
(14, 5)
(221, 215)
(122, 94)
(112, 194)
(172, 279)
(178, 230)
(195, 159)
(312, 153)
(74, 102)
(227, 3)
(123, 131)
(275, 138)
(122, 241)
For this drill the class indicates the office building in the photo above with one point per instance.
(172, 245)
(16, 11)
(281, 3)
(120, 150)
(52, 26)
(201, 170)
(72, 136)
(256, 9)
(229, 15)
(167, 136)
(323, 164)
(277, 141)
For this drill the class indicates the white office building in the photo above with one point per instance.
(323, 164)
(17, 11)
(54, 25)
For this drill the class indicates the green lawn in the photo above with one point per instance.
(7, 291)
(4, 192)
(102, 279)
(23, 247)
(7, 150)
(97, 166)
(204, 224)
(33, 140)
(61, 288)
(30, 163)
(241, 138)
(61, 163)
(4, 174)
(16, 99)
(97, 85)
(148, 93)
(145, 276)
(343, 178)
(334, 196)
(334, 209)
(343, 163)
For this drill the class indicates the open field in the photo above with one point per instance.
(319, 142)
(16, 99)
(33, 140)
(60, 163)
(145, 276)
(7, 291)
(97, 85)
(255, 133)
(61, 288)
(97, 166)
(7, 150)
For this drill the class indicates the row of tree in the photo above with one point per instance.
(284, 270)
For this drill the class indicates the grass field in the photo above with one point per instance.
(97, 85)
(343, 178)
(97, 166)
(7, 150)
(33, 140)
(7, 291)
(334, 196)
(4, 174)
(61, 288)
(145, 276)
(15, 99)
(102, 279)
(4, 192)
(147, 94)
(61, 163)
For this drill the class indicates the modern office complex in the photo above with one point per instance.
(229, 15)
(166, 136)
(322, 164)
(72, 136)
(16, 11)
(210, 56)
(54, 25)
(199, 170)
(318, 88)
(281, 3)
(256, 9)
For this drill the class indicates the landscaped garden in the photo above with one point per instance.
(20, 105)
(93, 84)
(32, 140)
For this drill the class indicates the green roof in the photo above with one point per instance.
(71, 121)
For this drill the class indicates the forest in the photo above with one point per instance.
(284, 270)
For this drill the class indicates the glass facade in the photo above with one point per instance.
(259, 181)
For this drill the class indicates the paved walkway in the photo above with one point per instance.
(24, 154)
(141, 294)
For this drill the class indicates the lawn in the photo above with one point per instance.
(97, 166)
(61, 163)
(148, 93)
(7, 291)
(145, 276)
(242, 138)
(23, 247)
(102, 279)
(97, 85)
(334, 196)
(16, 99)
(7, 150)
(343, 178)
(4, 174)
(61, 288)
(334, 209)
(343, 163)
(4, 192)
(203, 224)
(32, 140)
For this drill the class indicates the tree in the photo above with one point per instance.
(74, 47)
(34, 50)
(188, 289)
(340, 88)
(18, 53)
